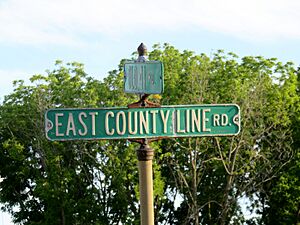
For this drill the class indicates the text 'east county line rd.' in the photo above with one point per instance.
(142, 122)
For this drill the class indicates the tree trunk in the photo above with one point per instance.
(63, 219)
(225, 204)
(195, 182)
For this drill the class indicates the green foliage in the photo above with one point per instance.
(196, 180)
(282, 202)
(63, 183)
(211, 174)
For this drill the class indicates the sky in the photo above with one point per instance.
(36, 33)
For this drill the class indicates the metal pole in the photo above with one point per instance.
(145, 155)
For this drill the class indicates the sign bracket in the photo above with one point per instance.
(143, 103)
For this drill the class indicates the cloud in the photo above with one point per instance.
(67, 22)
(254, 20)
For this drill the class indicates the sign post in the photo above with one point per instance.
(145, 153)
(145, 156)
(143, 122)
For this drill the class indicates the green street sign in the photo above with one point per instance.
(143, 77)
(124, 123)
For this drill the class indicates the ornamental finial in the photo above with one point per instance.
(142, 50)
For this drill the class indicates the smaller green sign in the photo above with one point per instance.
(143, 77)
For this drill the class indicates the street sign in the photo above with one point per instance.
(129, 123)
(143, 77)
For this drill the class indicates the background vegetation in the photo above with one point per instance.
(196, 180)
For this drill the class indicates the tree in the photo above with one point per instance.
(211, 174)
(196, 180)
(71, 182)
(283, 195)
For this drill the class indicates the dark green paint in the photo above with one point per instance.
(143, 77)
(180, 121)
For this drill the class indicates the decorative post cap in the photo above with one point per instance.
(142, 50)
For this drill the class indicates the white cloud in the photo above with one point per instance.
(66, 21)
(255, 19)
